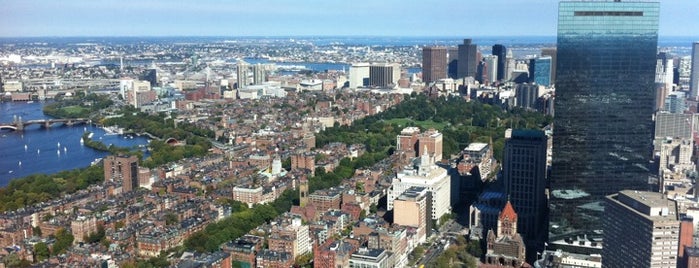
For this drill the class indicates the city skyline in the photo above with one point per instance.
(307, 18)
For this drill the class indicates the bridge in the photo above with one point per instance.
(19, 125)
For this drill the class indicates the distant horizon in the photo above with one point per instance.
(319, 35)
(159, 18)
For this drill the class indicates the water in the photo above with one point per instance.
(42, 153)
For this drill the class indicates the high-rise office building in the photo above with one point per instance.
(694, 77)
(540, 71)
(489, 73)
(359, 75)
(452, 61)
(468, 59)
(384, 75)
(434, 63)
(501, 52)
(604, 105)
(481, 72)
(664, 75)
(551, 52)
(641, 229)
(524, 174)
(526, 96)
(675, 102)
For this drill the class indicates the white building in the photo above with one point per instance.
(424, 174)
(491, 63)
(358, 73)
(371, 258)
(303, 238)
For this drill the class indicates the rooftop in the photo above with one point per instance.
(651, 204)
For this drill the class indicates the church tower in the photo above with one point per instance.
(506, 247)
(303, 192)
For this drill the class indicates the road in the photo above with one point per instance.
(445, 235)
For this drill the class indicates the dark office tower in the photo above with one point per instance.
(524, 173)
(551, 52)
(468, 60)
(151, 75)
(501, 52)
(452, 61)
(604, 104)
(434, 63)
(481, 72)
(694, 75)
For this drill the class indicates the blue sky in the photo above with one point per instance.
(303, 17)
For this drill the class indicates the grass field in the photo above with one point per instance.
(403, 122)
(74, 110)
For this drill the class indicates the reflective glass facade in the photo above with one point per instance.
(604, 104)
(542, 71)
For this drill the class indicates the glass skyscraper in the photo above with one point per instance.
(604, 104)
(542, 71)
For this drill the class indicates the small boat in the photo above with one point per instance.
(20, 163)
(58, 144)
(58, 152)
(82, 141)
(38, 151)
(25, 147)
(65, 149)
(11, 171)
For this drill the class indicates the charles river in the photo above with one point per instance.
(48, 150)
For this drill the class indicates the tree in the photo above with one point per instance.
(303, 260)
(474, 248)
(373, 208)
(13, 260)
(171, 219)
(359, 187)
(41, 251)
(36, 231)
(64, 240)
(96, 236)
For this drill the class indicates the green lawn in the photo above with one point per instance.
(403, 122)
(74, 110)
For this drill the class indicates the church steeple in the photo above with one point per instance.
(425, 162)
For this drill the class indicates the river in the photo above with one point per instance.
(48, 150)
